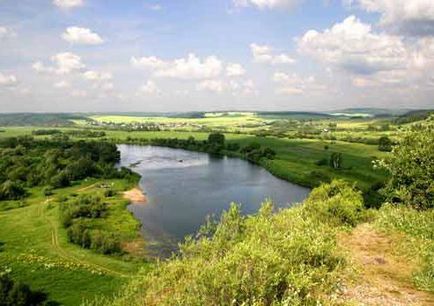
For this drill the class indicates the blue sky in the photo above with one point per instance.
(137, 55)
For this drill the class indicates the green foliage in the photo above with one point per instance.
(385, 144)
(44, 132)
(336, 160)
(217, 139)
(322, 162)
(26, 163)
(60, 180)
(284, 258)
(233, 146)
(10, 190)
(337, 203)
(411, 168)
(17, 294)
(76, 215)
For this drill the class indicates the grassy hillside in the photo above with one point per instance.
(36, 250)
(33, 119)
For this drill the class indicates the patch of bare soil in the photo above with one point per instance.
(136, 196)
(384, 278)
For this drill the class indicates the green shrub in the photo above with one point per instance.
(337, 202)
(411, 168)
(322, 162)
(14, 293)
(47, 191)
(10, 190)
(385, 144)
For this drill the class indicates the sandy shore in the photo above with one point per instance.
(136, 196)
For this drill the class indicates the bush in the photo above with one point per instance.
(105, 243)
(336, 160)
(60, 180)
(233, 146)
(322, 162)
(17, 294)
(338, 203)
(108, 193)
(384, 144)
(253, 146)
(216, 139)
(47, 191)
(10, 190)
(411, 168)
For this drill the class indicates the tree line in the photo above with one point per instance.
(26, 163)
(217, 144)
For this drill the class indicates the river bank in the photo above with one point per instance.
(136, 196)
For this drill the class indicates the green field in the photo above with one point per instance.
(37, 252)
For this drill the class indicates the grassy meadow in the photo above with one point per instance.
(35, 248)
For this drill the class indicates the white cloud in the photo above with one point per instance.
(235, 70)
(265, 54)
(97, 76)
(82, 36)
(295, 85)
(64, 63)
(235, 87)
(107, 86)
(62, 84)
(268, 4)
(79, 93)
(371, 58)
(67, 4)
(211, 85)
(155, 7)
(8, 80)
(6, 32)
(150, 62)
(189, 68)
(150, 88)
(411, 16)
(353, 46)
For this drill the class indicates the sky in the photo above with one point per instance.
(207, 55)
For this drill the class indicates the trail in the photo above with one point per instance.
(87, 187)
(65, 254)
(384, 279)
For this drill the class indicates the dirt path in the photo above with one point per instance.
(65, 254)
(384, 278)
(87, 187)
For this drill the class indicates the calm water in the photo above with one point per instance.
(184, 187)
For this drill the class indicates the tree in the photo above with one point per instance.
(60, 180)
(411, 168)
(216, 139)
(385, 144)
(17, 294)
(336, 160)
(11, 190)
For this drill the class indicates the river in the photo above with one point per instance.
(184, 187)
